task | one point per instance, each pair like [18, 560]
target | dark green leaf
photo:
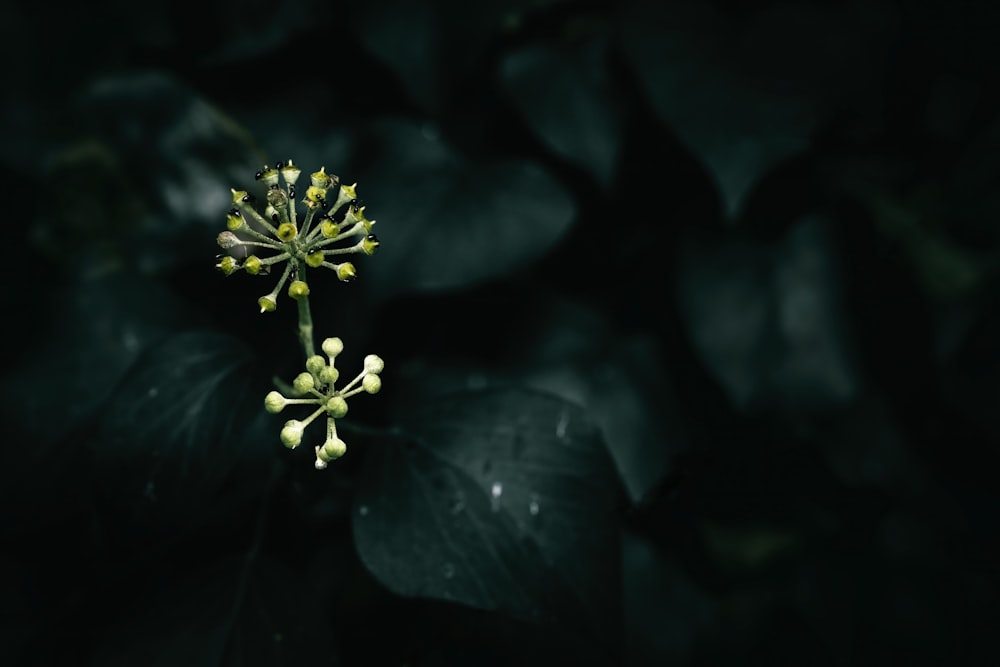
[503, 500]
[240, 612]
[174, 429]
[566, 100]
[447, 222]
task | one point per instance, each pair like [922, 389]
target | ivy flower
[334, 224]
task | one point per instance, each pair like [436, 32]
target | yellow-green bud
[315, 364]
[321, 179]
[228, 265]
[315, 195]
[298, 290]
[331, 450]
[252, 265]
[287, 231]
[268, 175]
[346, 272]
[239, 196]
[328, 375]
[332, 346]
[303, 382]
[290, 172]
[369, 244]
[234, 220]
[267, 304]
[315, 259]
[356, 214]
[274, 402]
[291, 433]
[336, 407]
[374, 364]
[329, 228]
[347, 193]
[371, 383]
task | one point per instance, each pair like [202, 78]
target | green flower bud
[336, 407]
[252, 265]
[332, 346]
[315, 364]
[303, 382]
[315, 259]
[356, 214]
[287, 231]
[315, 196]
[267, 304]
[346, 272]
[328, 375]
[371, 383]
[321, 179]
[369, 244]
[329, 228]
[298, 290]
[331, 450]
[268, 175]
[228, 265]
[274, 402]
[374, 364]
[234, 220]
[240, 196]
[290, 173]
[291, 433]
[347, 193]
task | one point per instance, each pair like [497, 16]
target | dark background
[710, 288]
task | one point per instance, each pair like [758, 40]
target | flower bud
[274, 402]
[303, 383]
[374, 364]
[252, 265]
[336, 407]
[240, 196]
[369, 244]
[371, 383]
[290, 172]
[291, 433]
[346, 193]
[332, 346]
[268, 175]
[346, 272]
[234, 220]
[299, 289]
[227, 240]
[228, 265]
[315, 364]
[287, 231]
[329, 228]
[267, 304]
[321, 179]
[315, 259]
[315, 196]
[331, 450]
[328, 375]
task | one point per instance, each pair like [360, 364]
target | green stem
[306, 323]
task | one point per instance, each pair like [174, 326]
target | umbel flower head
[317, 386]
[334, 224]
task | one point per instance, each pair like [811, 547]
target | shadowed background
[689, 315]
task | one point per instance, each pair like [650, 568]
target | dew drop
[495, 492]
[448, 570]
[534, 507]
[363, 510]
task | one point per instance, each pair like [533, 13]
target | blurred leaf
[744, 98]
[97, 330]
[176, 426]
[447, 222]
[238, 612]
[502, 500]
[769, 321]
[179, 156]
[566, 99]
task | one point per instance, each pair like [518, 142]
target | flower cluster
[317, 386]
[328, 221]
